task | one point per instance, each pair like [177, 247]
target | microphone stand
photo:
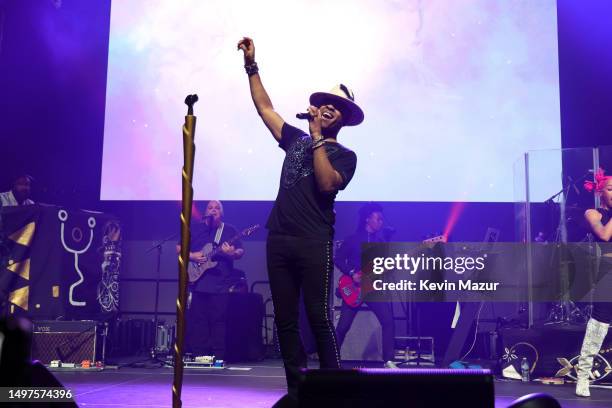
[564, 311]
[187, 201]
[566, 189]
[158, 246]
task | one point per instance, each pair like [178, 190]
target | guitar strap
[219, 233]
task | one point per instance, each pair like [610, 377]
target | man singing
[301, 224]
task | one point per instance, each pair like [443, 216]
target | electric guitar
[352, 292]
[196, 269]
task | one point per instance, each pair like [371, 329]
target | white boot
[593, 338]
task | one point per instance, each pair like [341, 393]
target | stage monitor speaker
[16, 369]
[537, 400]
[41, 377]
[67, 341]
[413, 388]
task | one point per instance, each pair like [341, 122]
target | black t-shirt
[300, 208]
[221, 277]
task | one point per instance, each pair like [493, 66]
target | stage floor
[248, 385]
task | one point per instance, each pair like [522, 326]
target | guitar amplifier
[67, 341]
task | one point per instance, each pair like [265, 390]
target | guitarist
[207, 311]
[348, 260]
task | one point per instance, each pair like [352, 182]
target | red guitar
[351, 291]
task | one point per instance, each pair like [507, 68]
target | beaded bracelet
[318, 143]
[251, 69]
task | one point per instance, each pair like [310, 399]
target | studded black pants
[300, 264]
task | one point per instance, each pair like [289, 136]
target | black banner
[59, 263]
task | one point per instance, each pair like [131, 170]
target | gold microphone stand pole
[181, 301]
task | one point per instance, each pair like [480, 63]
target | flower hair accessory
[599, 183]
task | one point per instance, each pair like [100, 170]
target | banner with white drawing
[61, 263]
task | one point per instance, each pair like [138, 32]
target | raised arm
[593, 217]
[262, 101]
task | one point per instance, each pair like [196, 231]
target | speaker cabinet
[67, 341]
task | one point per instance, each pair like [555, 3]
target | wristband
[251, 69]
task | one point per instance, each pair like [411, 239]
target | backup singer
[301, 224]
[597, 327]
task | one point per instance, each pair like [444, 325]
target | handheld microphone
[303, 115]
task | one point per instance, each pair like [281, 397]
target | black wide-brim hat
[343, 99]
